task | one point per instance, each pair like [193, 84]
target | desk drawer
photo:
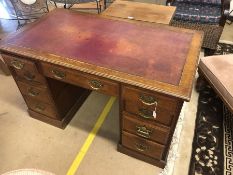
[146, 129]
[142, 146]
[148, 113]
[147, 98]
[41, 107]
[34, 92]
[24, 70]
[150, 106]
[81, 79]
[20, 64]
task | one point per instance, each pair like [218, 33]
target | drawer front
[20, 64]
[146, 130]
[142, 146]
[24, 70]
[34, 92]
[33, 78]
[41, 107]
[149, 113]
[84, 80]
[153, 100]
[148, 105]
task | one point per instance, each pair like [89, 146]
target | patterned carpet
[228, 140]
[212, 144]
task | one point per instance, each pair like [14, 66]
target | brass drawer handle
[28, 76]
[39, 108]
[17, 64]
[95, 84]
[32, 92]
[147, 100]
[58, 74]
[141, 147]
[146, 113]
[143, 131]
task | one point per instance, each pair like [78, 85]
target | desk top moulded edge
[182, 91]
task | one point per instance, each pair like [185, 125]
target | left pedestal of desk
[48, 100]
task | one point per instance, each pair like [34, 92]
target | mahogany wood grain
[158, 162]
[164, 106]
[161, 100]
[142, 146]
[154, 132]
[42, 108]
[162, 116]
[35, 92]
[140, 11]
[24, 70]
[20, 63]
[81, 79]
[64, 121]
[67, 97]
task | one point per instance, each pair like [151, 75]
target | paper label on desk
[130, 17]
[154, 114]
[28, 2]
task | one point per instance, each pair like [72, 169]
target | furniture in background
[230, 15]
[28, 11]
[69, 3]
[217, 71]
[140, 11]
[3, 66]
[208, 16]
[132, 63]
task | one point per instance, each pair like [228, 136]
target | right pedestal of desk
[147, 124]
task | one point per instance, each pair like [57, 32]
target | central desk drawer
[81, 79]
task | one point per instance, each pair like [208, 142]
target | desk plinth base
[70, 114]
[129, 152]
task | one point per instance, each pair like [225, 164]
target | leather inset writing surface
[151, 52]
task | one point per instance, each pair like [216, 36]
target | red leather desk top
[151, 52]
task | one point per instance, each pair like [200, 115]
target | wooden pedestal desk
[58, 60]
